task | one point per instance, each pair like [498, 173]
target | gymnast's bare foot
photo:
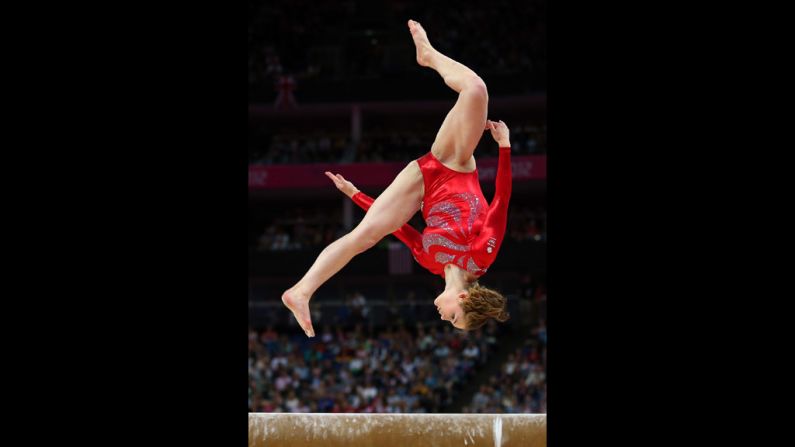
[298, 302]
[424, 49]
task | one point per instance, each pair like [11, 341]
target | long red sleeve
[407, 234]
[493, 232]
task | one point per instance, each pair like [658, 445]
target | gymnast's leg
[393, 208]
[463, 127]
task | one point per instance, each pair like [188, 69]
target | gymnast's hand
[343, 185]
[499, 131]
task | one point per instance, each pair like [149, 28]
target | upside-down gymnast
[463, 233]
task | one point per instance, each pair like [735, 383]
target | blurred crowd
[376, 146]
[395, 370]
[352, 39]
[520, 384]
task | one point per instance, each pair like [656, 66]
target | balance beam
[396, 430]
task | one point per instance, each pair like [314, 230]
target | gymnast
[463, 232]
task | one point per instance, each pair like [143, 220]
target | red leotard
[462, 228]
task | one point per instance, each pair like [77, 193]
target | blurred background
[335, 86]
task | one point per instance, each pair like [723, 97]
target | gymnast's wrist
[505, 146]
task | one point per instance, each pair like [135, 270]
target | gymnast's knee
[365, 238]
[476, 87]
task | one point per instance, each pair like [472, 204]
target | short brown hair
[481, 304]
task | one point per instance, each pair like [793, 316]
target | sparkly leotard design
[461, 228]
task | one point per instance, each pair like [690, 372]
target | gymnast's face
[448, 303]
